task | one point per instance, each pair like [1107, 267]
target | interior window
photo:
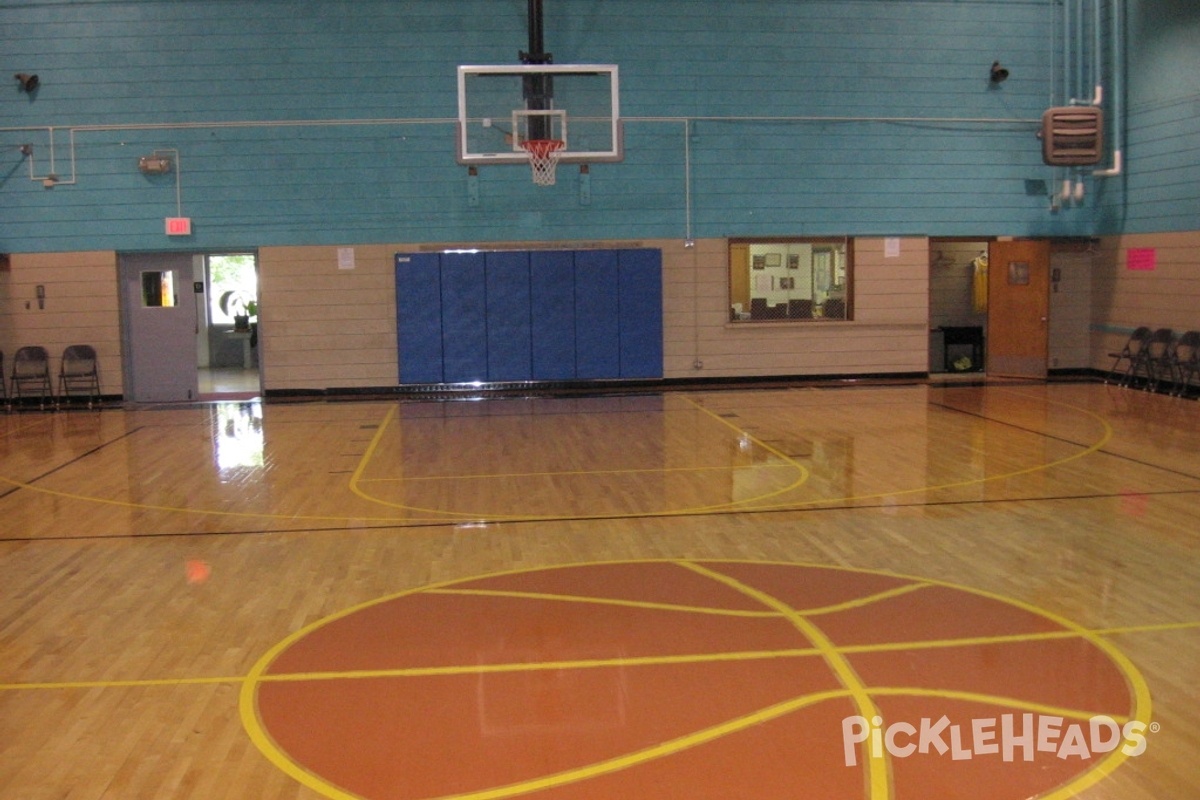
[789, 280]
[158, 289]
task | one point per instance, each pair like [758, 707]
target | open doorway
[227, 350]
[958, 305]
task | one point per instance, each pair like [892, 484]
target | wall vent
[1072, 136]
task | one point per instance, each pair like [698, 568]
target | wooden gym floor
[910, 592]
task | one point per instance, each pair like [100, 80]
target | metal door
[159, 327]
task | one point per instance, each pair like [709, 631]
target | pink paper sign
[1144, 259]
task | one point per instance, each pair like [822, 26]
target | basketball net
[543, 158]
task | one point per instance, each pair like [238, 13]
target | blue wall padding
[419, 317]
[464, 320]
[597, 315]
[641, 322]
[552, 280]
[509, 343]
[540, 315]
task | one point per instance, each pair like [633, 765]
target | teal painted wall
[881, 121]
[1160, 191]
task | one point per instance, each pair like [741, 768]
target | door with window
[1018, 308]
[159, 327]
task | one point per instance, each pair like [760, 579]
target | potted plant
[241, 306]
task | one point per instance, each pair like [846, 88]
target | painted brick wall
[321, 123]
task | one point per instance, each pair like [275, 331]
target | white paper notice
[345, 258]
[891, 247]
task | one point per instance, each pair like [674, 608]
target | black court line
[1052, 437]
[75, 460]
[400, 525]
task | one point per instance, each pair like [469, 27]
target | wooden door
[1018, 308]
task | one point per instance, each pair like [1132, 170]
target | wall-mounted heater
[1072, 135]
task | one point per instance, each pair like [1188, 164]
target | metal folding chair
[1155, 361]
[1129, 354]
[79, 374]
[1185, 362]
[31, 374]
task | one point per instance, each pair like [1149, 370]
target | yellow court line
[1001, 701]
[652, 753]
[878, 780]
[357, 478]
[152, 683]
[1090, 449]
[604, 601]
[864, 601]
[443, 516]
[247, 699]
[808, 612]
[575, 472]
[625, 661]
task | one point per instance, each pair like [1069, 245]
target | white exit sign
[179, 226]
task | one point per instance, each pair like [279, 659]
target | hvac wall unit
[1072, 136]
[536, 315]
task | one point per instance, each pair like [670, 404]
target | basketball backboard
[501, 106]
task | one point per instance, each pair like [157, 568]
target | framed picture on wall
[793, 261]
[759, 262]
[787, 284]
[774, 259]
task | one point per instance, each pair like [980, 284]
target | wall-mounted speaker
[28, 82]
[1072, 136]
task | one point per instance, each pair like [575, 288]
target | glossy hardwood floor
[185, 592]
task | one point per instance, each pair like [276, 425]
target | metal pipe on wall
[1117, 94]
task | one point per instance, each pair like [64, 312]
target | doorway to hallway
[190, 326]
[958, 306]
[227, 352]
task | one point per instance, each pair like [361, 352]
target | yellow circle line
[1141, 710]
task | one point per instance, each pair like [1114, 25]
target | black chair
[1155, 361]
[800, 309]
[758, 308]
[1185, 362]
[31, 374]
[79, 373]
[1129, 354]
[834, 308]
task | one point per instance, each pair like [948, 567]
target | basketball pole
[538, 89]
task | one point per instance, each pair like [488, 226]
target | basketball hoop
[543, 158]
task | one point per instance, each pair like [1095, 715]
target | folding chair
[1155, 361]
[79, 373]
[31, 373]
[1130, 354]
[1185, 362]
